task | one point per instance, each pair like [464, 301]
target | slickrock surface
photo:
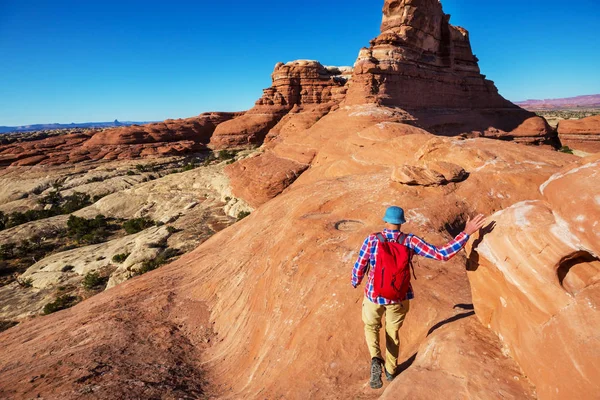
[535, 282]
[283, 318]
[265, 309]
[303, 84]
[193, 203]
[168, 138]
[582, 134]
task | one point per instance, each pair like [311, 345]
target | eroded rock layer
[283, 317]
[535, 279]
[422, 63]
[171, 137]
[304, 85]
[583, 134]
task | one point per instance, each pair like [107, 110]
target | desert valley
[210, 257]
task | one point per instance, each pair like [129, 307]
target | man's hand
[475, 224]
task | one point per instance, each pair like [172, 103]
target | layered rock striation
[422, 63]
[582, 134]
[535, 279]
[171, 137]
[298, 86]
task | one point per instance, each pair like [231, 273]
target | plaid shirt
[368, 255]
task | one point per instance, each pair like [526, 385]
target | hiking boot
[389, 377]
[376, 369]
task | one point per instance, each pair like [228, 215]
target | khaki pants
[372, 315]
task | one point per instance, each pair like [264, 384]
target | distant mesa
[587, 101]
[41, 127]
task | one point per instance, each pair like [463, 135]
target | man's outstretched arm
[448, 251]
[362, 263]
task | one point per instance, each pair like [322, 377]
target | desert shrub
[7, 251]
[26, 283]
[75, 202]
[119, 258]
[566, 149]
[227, 154]
[172, 229]
[93, 280]
[242, 214]
[60, 303]
[141, 168]
[130, 173]
[161, 259]
[136, 225]
[89, 231]
[98, 197]
[19, 218]
[227, 198]
[3, 220]
[67, 268]
[189, 167]
[53, 199]
[96, 179]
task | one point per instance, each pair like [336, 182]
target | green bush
[96, 179]
[242, 214]
[136, 225]
[161, 259]
[3, 220]
[92, 280]
[61, 302]
[53, 199]
[227, 154]
[566, 149]
[89, 231]
[119, 258]
[75, 202]
[172, 229]
[130, 173]
[189, 167]
[7, 251]
[26, 283]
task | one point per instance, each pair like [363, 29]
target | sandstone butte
[264, 309]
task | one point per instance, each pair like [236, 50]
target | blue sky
[74, 61]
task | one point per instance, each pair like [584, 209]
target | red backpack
[392, 269]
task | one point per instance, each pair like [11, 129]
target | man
[374, 307]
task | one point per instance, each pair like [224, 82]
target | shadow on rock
[473, 261]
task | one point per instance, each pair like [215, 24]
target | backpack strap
[410, 255]
[381, 238]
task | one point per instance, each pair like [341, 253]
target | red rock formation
[423, 64]
[171, 137]
[259, 179]
[582, 134]
[302, 84]
[534, 281]
[284, 319]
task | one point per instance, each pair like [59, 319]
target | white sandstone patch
[413, 216]
[559, 175]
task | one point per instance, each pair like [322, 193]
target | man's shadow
[472, 264]
[473, 260]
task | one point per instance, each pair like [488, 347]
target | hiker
[390, 294]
